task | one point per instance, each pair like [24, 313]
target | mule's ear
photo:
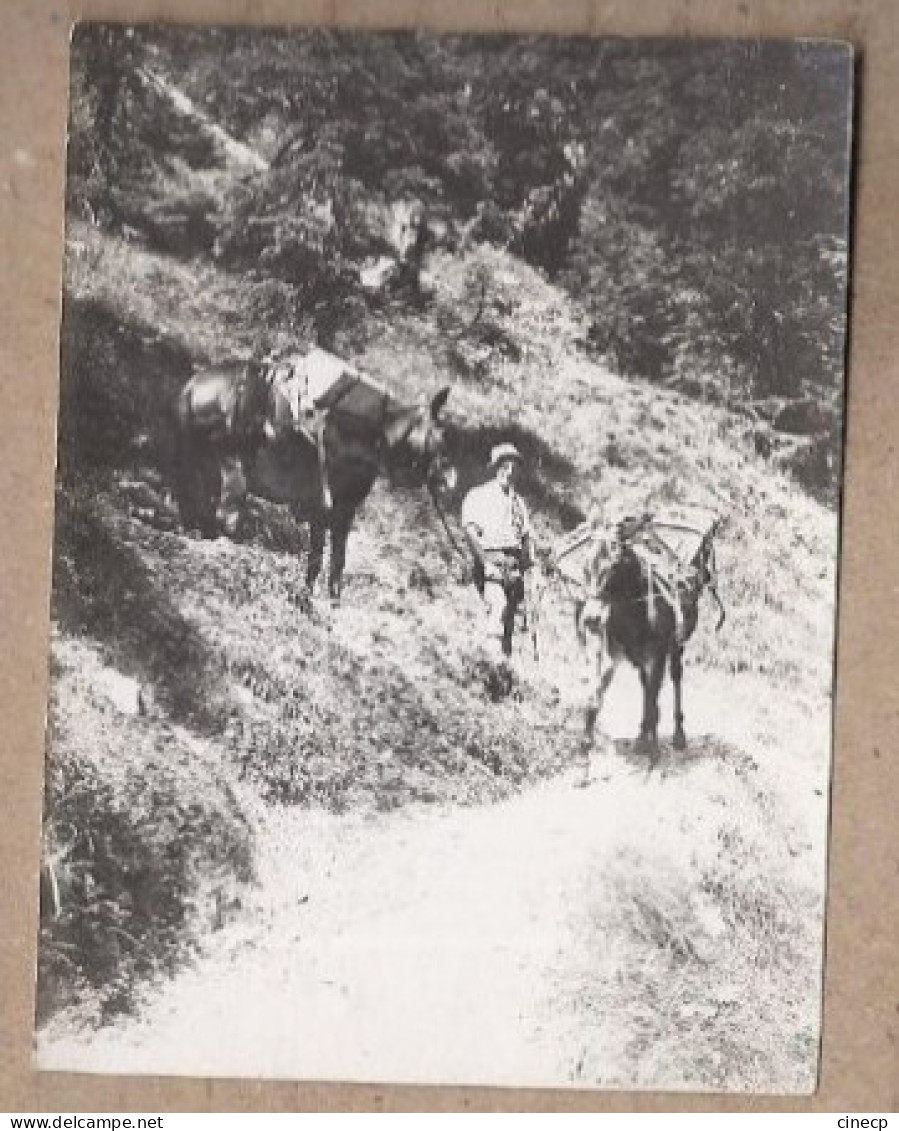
[439, 401]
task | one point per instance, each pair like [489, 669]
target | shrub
[143, 854]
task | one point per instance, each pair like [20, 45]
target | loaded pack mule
[310, 432]
[638, 600]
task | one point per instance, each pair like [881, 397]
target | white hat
[503, 452]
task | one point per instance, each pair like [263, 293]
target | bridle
[703, 563]
[422, 463]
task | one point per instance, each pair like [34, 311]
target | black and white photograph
[445, 562]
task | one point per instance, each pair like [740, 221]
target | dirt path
[407, 947]
[422, 946]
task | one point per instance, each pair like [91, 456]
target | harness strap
[669, 592]
[443, 519]
[713, 586]
[318, 429]
[722, 614]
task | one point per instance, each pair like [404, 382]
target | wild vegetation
[634, 269]
[696, 210]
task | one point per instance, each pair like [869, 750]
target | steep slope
[589, 436]
[593, 438]
[381, 704]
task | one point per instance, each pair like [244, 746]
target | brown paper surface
[860, 1061]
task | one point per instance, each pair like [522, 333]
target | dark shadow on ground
[103, 589]
[666, 761]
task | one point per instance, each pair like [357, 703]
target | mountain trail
[427, 945]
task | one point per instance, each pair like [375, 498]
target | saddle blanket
[322, 381]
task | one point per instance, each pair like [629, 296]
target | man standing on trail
[497, 527]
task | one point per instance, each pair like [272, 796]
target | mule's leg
[652, 673]
[198, 487]
[233, 496]
[317, 533]
[594, 712]
[643, 736]
[677, 672]
[603, 667]
[341, 522]
[604, 677]
[211, 490]
[185, 485]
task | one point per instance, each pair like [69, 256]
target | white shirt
[500, 518]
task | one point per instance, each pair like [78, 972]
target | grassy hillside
[381, 702]
[581, 293]
[509, 342]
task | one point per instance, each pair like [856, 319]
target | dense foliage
[693, 196]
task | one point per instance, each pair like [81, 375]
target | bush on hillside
[815, 465]
[143, 855]
[118, 381]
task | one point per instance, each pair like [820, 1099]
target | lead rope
[713, 588]
[446, 526]
[530, 606]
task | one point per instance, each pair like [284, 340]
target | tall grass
[705, 950]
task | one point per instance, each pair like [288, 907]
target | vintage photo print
[445, 558]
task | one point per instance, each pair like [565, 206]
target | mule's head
[705, 567]
[591, 616]
[416, 446]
